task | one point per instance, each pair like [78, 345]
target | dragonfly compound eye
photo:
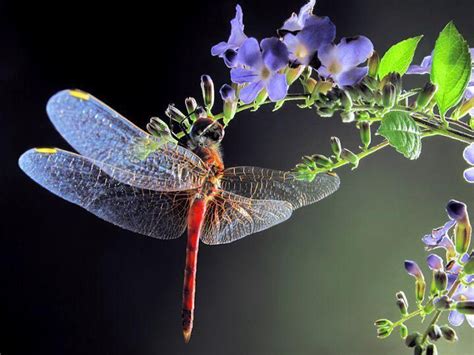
[206, 131]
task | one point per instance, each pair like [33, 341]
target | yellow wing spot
[46, 150]
[79, 94]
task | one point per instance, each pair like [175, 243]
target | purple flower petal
[275, 53]
[242, 75]
[328, 55]
[470, 319]
[455, 318]
[440, 232]
[468, 154]
[249, 54]
[219, 48]
[250, 92]
[413, 269]
[469, 175]
[434, 262]
[296, 22]
[277, 87]
[352, 76]
[423, 68]
[354, 51]
[227, 93]
[317, 33]
[237, 35]
[230, 58]
[456, 210]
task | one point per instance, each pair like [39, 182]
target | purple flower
[340, 62]
[228, 50]
[463, 293]
[456, 210]
[316, 33]
[437, 234]
[413, 270]
[296, 22]
[468, 155]
[261, 69]
[434, 262]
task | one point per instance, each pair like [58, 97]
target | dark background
[73, 284]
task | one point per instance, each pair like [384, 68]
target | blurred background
[73, 284]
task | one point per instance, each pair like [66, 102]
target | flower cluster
[266, 68]
[452, 284]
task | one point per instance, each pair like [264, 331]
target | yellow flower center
[265, 73]
[301, 51]
[335, 67]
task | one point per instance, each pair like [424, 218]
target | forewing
[98, 132]
[78, 180]
[230, 217]
[267, 184]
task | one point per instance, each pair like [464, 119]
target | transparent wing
[267, 184]
[230, 217]
[98, 132]
[78, 180]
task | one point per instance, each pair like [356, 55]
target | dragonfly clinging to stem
[159, 188]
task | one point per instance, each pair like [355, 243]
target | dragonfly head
[206, 132]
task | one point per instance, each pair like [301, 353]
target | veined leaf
[399, 57]
[402, 133]
[451, 68]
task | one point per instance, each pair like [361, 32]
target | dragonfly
[161, 188]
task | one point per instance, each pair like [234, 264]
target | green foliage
[399, 57]
[451, 67]
[402, 133]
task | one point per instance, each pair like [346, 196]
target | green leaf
[451, 68]
[399, 57]
[402, 133]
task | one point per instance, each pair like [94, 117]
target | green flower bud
[322, 161]
[464, 109]
[402, 306]
[384, 332]
[371, 83]
[426, 95]
[374, 62]
[191, 104]
[469, 265]
[261, 97]
[418, 350]
[462, 234]
[448, 333]
[347, 117]
[336, 147]
[350, 157]
[294, 73]
[389, 95]
[431, 350]
[413, 339]
[346, 101]
[383, 323]
[158, 128]
[465, 307]
[443, 303]
[366, 93]
[175, 114]
[420, 286]
[400, 295]
[325, 112]
[440, 280]
[310, 84]
[365, 134]
[403, 331]
[207, 87]
[434, 332]
[396, 80]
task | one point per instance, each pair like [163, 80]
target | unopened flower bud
[403, 331]
[420, 287]
[229, 97]
[191, 106]
[389, 95]
[310, 84]
[418, 350]
[346, 100]
[431, 350]
[175, 114]
[374, 62]
[383, 323]
[426, 95]
[434, 332]
[413, 269]
[322, 160]
[201, 112]
[347, 117]
[469, 265]
[158, 127]
[463, 230]
[365, 134]
[465, 307]
[448, 333]
[396, 80]
[294, 73]
[366, 93]
[350, 157]
[440, 280]
[336, 147]
[261, 97]
[402, 306]
[413, 339]
[207, 87]
[325, 111]
[400, 295]
[384, 332]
